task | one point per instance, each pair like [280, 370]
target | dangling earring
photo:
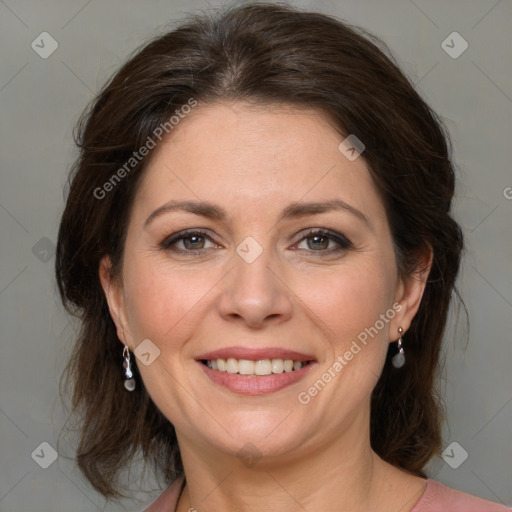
[129, 382]
[399, 359]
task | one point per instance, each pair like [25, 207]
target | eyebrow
[292, 211]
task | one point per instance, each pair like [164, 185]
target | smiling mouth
[258, 368]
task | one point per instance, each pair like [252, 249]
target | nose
[255, 294]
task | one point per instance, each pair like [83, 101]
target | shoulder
[439, 498]
[167, 500]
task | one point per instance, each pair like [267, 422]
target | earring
[399, 359]
[129, 382]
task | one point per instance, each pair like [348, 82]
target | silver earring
[399, 359]
[129, 382]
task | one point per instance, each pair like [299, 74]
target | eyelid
[168, 241]
[343, 242]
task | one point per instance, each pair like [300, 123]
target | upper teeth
[261, 367]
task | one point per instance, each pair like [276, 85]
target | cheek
[351, 306]
[348, 300]
[161, 301]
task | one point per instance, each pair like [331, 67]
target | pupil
[195, 240]
[320, 239]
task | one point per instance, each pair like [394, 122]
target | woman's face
[254, 278]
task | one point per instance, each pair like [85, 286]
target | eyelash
[342, 241]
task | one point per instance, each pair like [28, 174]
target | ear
[114, 293]
[410, 291]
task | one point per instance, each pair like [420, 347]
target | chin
[259, 434]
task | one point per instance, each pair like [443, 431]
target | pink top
[436, 498]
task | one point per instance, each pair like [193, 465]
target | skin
[253, 162]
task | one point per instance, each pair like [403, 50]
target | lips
[255, 354]
[252, 384]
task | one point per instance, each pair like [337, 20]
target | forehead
[247, 156]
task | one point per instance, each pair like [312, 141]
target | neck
[345, 476]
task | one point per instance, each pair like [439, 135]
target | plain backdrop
[40, 101]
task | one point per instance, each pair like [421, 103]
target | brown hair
[269, 54]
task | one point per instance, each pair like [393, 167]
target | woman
[258, 229]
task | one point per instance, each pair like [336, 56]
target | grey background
[40, 100]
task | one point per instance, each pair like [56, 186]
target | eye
[187, 241]
[316, 240]
[325, 241]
